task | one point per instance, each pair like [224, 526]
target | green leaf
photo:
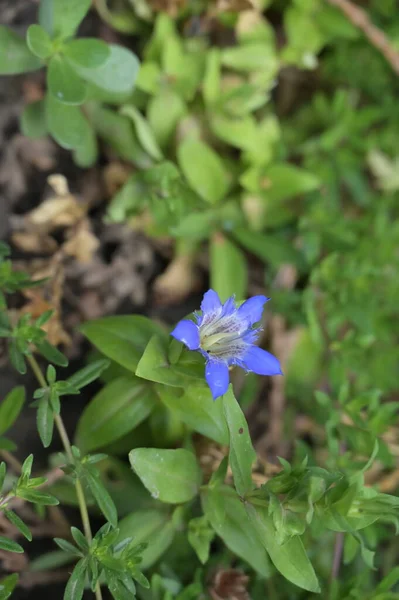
[7, 585]
[143, 131]
[290, 558]
[50, 560]
[87, 52]
[229, 272]
[122, 338]
[212, 77]
[45, 421]
[241, 133]
[117, 409]
[165, 102]
[80, 539]
[67, 547]
[11, 407]
[65, 123]
[52, 354]
[86, 154]
[37, 497]
[150, 526]
[27, 467]
[171, 476]
[76, 583]
[271, 248]
[39, 41]
[200, 536]
[116, 75]
[89, 373]
[286, 181]
[18, 523]
[61, 18]
[203, 170]
[154, 366]
[226, 513]
[195, 407]
[118, 133]
[16, 357]
[10, 545]
[241, 454]
[63, 82]
[102, 497]
[15, 56]
[3, 471]
[251, 57]
[153, 527]
[33, 120]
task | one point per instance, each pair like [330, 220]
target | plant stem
[59, 423]
[338, 550]
[11, 460]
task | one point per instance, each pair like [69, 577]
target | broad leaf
[122, 338]
[226, 513]
[165, 102]
[195, 407]
[172, 476]
[62, 17]
[290, 558]
[39, 41]
[154, 365]
[65, 123]
[15, 56]
[87, 52]
[117, 409]
[203, 170]
[229, 272]
[148, 526]
[63, 82]
[116, 75]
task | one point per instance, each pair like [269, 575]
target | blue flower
[225, 335]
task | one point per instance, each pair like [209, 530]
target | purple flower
[225, 335]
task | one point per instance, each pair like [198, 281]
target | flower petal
[251, 310]
[217, 377]
[187, 332]
[210, 302]
[261, 362]
[229, 307]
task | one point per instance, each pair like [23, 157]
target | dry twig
[360, 19]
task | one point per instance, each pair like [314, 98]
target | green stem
[59, 423]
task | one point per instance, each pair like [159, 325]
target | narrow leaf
[10, 545]
[18, 523]
[102, 497]
[10, 408]
[241, 455]
[76, 583]
[89, 373]
[45, 421]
